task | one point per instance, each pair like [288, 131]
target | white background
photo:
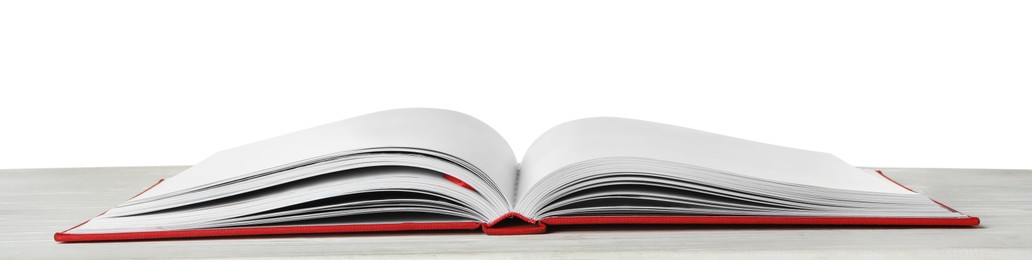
[878, 83]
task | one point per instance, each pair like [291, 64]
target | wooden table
[35, 203]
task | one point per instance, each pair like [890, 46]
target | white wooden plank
[37, 202]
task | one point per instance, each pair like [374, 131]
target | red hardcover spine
[522, 226]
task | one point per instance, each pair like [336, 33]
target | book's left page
[405, 165]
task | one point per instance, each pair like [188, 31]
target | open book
[432, 169]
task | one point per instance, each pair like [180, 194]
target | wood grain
[35, 203]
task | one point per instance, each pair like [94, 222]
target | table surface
[34, 203]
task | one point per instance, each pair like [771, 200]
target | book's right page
[602, 137]
[615, 167]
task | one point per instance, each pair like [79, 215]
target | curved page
[603, 137]
[439, 130]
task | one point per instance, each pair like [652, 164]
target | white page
[379, 179]
[601, 137]
[440, 130]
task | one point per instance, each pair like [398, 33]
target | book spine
[513, 223]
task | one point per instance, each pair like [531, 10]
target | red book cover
[516, 224]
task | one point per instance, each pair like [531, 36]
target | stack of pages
[432, 169]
